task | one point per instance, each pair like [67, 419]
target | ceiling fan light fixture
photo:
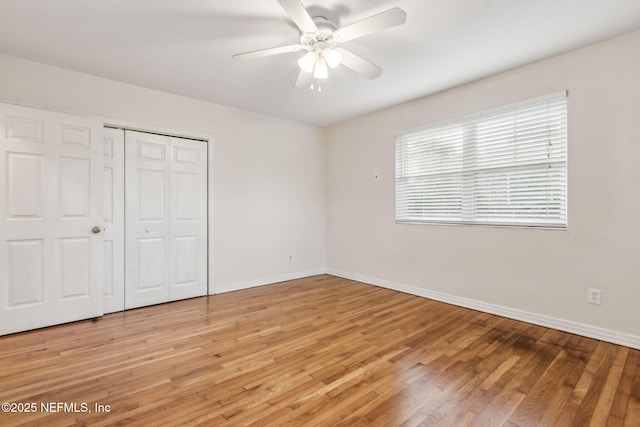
[320, 41]
[333, 58]
[308, 62]
[321, 71]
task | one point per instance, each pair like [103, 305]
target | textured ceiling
[185, 47]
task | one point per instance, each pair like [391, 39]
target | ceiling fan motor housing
[323, 38]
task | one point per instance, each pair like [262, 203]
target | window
[504, 167]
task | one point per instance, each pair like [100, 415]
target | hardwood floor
[317, 351]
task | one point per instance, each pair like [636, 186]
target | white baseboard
[589, 331]
[238, 286]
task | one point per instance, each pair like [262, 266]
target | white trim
[211, 287]
[231, 287]
[582, 329]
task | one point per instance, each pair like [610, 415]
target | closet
[95, 220]
[163, 226]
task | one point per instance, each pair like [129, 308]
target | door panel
[109, 287]
[50, 261]
[147, 278]
[152, 188]
[187, 191]
[149, 252]
[75, 274]
[186, 265]
[189, 218]
[75, 192]
[25, 283]
[19, 128]
[113, 230]
[24, 171]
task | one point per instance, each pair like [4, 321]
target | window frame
[557, 170]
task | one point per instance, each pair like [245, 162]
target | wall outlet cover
[594, 296]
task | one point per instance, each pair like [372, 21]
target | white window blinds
[504, 167]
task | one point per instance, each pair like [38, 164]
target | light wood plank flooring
[317, 351]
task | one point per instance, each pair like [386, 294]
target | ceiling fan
[320, 38]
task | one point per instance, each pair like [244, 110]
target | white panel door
[166, 219]
[148, 254]
[51, 186]
[113, 229]
[188, 218]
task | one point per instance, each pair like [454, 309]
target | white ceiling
[185, 46]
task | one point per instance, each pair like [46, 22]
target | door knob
[96, 229]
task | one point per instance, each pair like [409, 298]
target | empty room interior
[317, 212]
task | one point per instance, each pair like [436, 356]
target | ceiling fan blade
[304, 80]
[359, 65]
[296, 10]
[268, 52]
[379, 22]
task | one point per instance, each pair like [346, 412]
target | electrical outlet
[594, 296]
[290, 258]
[376, 176]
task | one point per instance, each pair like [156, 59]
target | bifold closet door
[113, 228]
[165, 218]
[188, 218]
[51, 171]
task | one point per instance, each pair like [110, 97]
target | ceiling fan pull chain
[316, 85]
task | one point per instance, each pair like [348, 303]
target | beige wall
[269, 174]
[536, 271]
